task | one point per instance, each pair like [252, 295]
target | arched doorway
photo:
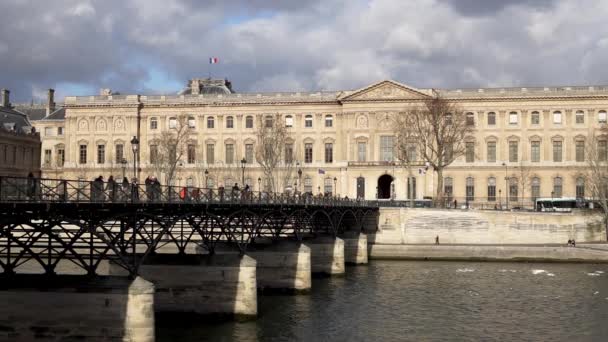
[384, 186]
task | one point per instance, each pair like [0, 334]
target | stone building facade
[343, 141]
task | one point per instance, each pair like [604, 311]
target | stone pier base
[327, 255]
[76, 308]
[282, 267]
[222, 285]
[355, 248]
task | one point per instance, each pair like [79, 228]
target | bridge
[159, 233]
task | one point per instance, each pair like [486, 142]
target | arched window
[580, 187]
[557, 187]
[308, 121]
[557, 118]
[249, 121]
[470, 189]
[210, 122]
[513, 119]
[172, 123]
[191, 122]
[491, 119]
[580, 117]
[329, 121]
[513, 189]
[470, 120]
[153, 123]
[535, 188]
[289, 121]
[491, 189]
[229, 122]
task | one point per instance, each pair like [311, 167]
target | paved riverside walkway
[583, 252]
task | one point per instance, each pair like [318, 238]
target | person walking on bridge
[111, 188]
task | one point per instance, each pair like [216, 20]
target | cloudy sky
[155, 46]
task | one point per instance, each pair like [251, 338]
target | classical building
[19, 144]
[343, 141]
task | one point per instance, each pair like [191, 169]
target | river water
[429, 301]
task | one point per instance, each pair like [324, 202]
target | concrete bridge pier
[284, 266]
[222, 285]
[327, 255]
[76, 308]
[355, 248]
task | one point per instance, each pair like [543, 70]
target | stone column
[282, 267]
[67, 307]
[327, 255]
[355, 248]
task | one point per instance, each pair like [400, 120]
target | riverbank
[586, 253]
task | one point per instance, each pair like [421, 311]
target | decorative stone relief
[119, 125]
[83, 125]
[362, 121]
[101, 125]
[388, 91]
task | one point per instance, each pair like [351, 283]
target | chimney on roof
[50, 102]
[6, 102]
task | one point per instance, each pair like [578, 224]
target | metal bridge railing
[35, 190]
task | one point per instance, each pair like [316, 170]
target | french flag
[321, 171]
[214, 60]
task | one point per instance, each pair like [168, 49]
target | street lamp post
[506, 185]
[124, 167]
[243, 162]
[335, 188]
[135, 148]
[299, 178]
[500, 199]
[206, 178]
[259, 184]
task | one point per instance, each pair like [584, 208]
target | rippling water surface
[430, 301]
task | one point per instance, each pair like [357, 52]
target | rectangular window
[119, 153]
[48, 131]
[172, 123]
[491, 193]
[191, 157]
[557, 151]
[557, 118]
[308, 121]
[153, 123]
[249, 153]
[210, 153]
[308, 153]
[153, 154]
[513, 118]
[470, 152]
[491, 119]
[602, 150]
[580, 117]
[308, 185]
[59, 130]
[48, 156]
[535, 118]
[535, 151]
[327, 186]
[411, 153]
[60, 157]
[288, 153]
[329, 153]
[387, 148]
[101, 154]
[513, 147]
[470, 190]
[491, 151]
[249, 122]
[601, 117]
[361, 151]
[580, 151]
[82, 154]
[229, 153]
[535, 191]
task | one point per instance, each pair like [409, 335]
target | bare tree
[441, 128]
[272, 134]
[407, 147]
[171, 146]
[524, 180]
[596, 178]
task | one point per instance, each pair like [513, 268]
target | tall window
[210, 153]
[513, 119]
[153, 154]
[172, 123]
[329, 121]
[602, 150]
[513, 149]
[249, 153]
[229, 122]
[308, 153]
[411, 187]
[48, 156]
[60, 156]
[308, 121]
[153, 123]
[470, 119]
[601, 116]
[101, 154]
[288, 153]
[448, 188]
[448, 118]
[229, 153]
[557, 151]
[361, 151]
[329, 153]
[59, 130]
[470, 190]
[580, 151]
[191, 154]
[470, 152]
[268, 121]
[535, 151]
[191, 122]
[249, 121]
[557, 187]
[412, 153]
[491, 151]
[491, 119]
[119, 153]
[308, 184]
[386, 148]
[535, 188]
[82, 154]
[535, 118]
[327, 186]
[289, 121]
[491, 189]
[580, 187]
[513, 187]
[557, 118]
[210, 122]
[580, 117]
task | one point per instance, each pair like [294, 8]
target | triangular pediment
[385, 90]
